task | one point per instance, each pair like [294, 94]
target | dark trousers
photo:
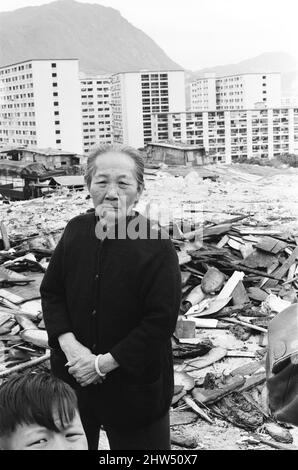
[155, 436]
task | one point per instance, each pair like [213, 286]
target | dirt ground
[267, 196]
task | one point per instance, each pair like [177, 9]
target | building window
[58, 141]
[54, 84]
[56, 113]
[57, 132]
[53, 65]
[57, 122]
[54, 74]
[56, 103]
[55, 93]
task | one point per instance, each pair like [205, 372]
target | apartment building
[242, 91]
[227, 135]
[40, 105]
[136, 95]
[96, 110]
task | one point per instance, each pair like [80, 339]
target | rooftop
[149, 71]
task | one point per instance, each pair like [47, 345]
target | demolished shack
[21, 180]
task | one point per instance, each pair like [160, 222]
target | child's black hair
[32, 399]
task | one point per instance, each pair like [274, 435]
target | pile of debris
[233, 285]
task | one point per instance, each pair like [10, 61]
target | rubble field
[235, 229]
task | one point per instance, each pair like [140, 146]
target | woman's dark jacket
[120, 296]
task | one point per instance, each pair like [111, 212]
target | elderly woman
[110, 305]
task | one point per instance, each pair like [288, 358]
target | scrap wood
[184, 441]
[20, 367]
[271, 443]
[248, 325]
[239, 295]
[230, 285]
[214, 355]
[184, 351]
[278, 433]
[222, 241]
[190, 402]
[5, 239]
[255, 404]
[178, 418]
[207, 396]
[11, 277]
[10, 297]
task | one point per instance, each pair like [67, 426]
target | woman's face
[114, 188]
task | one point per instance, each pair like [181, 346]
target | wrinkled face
[114, 188]
[35, 437]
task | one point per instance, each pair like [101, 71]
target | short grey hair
[126, 150]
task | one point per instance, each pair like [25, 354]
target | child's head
[39, 411]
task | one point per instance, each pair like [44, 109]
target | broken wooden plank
[230, 285]
[190, 402]
[185, 329]
[214, 355]
[259, 259]
[183, 257]
[206, 232]
[34, 362]
[256, 293]
[271, 245]
[5, 239]
[236, 353]
[253, 381]
[215, 305]
[276, 445]
[239, 294]
[247, 369]
[178, 418]
[255, 404]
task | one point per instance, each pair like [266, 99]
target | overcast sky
[203, 33]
